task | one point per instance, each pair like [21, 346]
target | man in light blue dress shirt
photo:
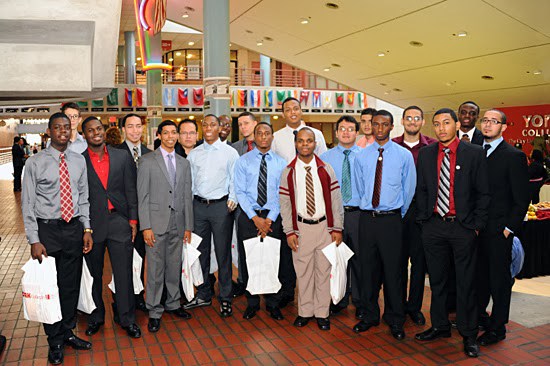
[257, 180]
[386, 181]
[342, 160]
[212, 167]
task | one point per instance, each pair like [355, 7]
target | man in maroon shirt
[413, 140]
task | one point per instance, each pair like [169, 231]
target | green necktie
[346, 177]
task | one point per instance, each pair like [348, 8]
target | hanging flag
[293, 93]
[327, 99]
[198, 97]
[340, 100]
[304, 97]
[82, 104]
[281, 96]
[128, 97]
[362, 100]
[268, 98]
[316, 103]
[254, 98]
[351, 99]
[112, 98]
[139, 97]
[97, 102]
[242, 94]
[169, 96]
[183, 96]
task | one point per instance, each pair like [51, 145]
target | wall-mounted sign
[216, 87]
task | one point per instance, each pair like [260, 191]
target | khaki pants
[313, 270]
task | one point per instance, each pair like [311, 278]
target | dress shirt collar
[493, 144]
[166, 153]
[56, 153]
[469, 133]
[302, 125]
[422, 140]
[453, 146]
[93, 155]
[215, 146]
[269, 153]
[341, 149]
[131, 146]
[388, 145]
[302, 165]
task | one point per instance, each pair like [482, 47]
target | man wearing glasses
[413, 140]
[187, 131]
[468, 113]
[77, 142]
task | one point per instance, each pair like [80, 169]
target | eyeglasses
[191, 133]
[348, 129]
[415, 118]
[73, 116]
[490, 121]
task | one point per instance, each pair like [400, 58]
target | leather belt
[311, 222]
[351, 208]
[207, 201]
[57, 221]
[375, 213]
[447, 218]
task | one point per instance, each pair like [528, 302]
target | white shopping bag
[262, 261]
[137, 262]
[196, 269]
[338, 256]
[213, 261]
[86, 303]
[189, 256]
[234, 247]
[40, 291]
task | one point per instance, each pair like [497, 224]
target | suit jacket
[241, 146]
[471, 184]
[155, 194]
[124, 146]
[477, 139]
[17, 155]
[509, 187]
[121, 191]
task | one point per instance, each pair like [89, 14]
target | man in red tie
[247, 122]
[57, 223]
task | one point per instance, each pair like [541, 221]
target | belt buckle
[374, 213]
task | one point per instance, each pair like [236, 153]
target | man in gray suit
[247, 123]
[166, 218]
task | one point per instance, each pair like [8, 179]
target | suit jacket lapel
[179, 171]
[111, 163]
[162, 164]
[433, 168]
[91, 170]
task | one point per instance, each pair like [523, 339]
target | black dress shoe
[471, 348]
[397, 332]
[335, 309]
[238, 289]
[417, 318]
[180, 313]
[78, 343]
[3, 341]
[275, 313]
[154, 325]
[363, 326]
[285, 301]
[133, 330]
[323, 323]
[489, 337]
[360, 314]
[225, 309]
[301, 321]
[55, 355]
[432, 334]
[250, 312]
[140, 303]
[93, 328]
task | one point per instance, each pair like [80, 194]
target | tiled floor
[208, 339]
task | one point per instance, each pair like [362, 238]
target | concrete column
[216, 54]
[130, 48]
[120, 56]
[154, 84]
[265, 66]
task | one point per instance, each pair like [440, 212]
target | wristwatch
[88, 231]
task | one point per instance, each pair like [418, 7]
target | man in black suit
[468, 113]
[132, 127]
[509, 187]
[113, 215]
[452, 198]
[18, 158]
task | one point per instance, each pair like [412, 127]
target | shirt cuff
[511, 231]
[134, 222]
[273, 215]
[33, 237]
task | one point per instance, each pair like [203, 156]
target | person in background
[537, 175]
[468, 113]
[18, 160]
[225, 129]
[113, 137]
[77, 142]
[366, 128]
[188, 133]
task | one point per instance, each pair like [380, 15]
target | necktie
[377, 179]
[487, 147]
[171, 171]
[310, 192]
[443, 193]
[465, 138]
[262, 183]
[136, 155]
[67, 210]
[346, 177]
[249, 147]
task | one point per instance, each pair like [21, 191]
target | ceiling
[508, 40]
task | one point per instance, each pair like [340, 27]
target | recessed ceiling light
[416, 44]
[185, 15]
[181, 68]
[383, 84]
[178, 53]
[335, 65]
[259, 43]
[332, 6]
[170, 59]
[178, 119]
[397, 90]
[248, 31]
[450, 83]
[230, 45]
[387, 92]
[191, 117]
[275, 117]
[304, 21]
[537, 72]
[487, 77]
[460, 34]
[190, 43]
[189, 56]
[381, 54]
[138, 59]
[268, 39]
[326, 69]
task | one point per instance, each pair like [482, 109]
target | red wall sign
[525, 123]
[166, 45]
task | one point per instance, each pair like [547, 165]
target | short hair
[16, 139]
[369, 111]
[187, 120]
[502, 115]
[71, 105]
[247, 114]
[88, 120]
[537, 155]
[349, 119]
[125, 118]
[288, 100]
[113, 136]
[448, 111]
[469, 102]
[56, 116]
[304, 129]
[212, 115]
[383, 113]
[263, 124]
[166, 122]
[413, 107]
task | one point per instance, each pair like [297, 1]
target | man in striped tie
[452, 198]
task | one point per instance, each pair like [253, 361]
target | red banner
[525, 123]
[166, 45]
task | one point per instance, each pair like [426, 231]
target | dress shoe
[93, 328]
[238, 289]
[285, 300]
[490, 337]
[433, 334]
[397, 332]
[483, 322]
[323, 323]
[197, 303]
[133, 330]
[140, 303]
[275, 313]
[2, 343]
[225, 309]
[363, 326]
[179, 312]
[335, 309]
[78, 343]
[250, 312]
[301, 321]
[154, 325]
[360, 314]
[417, 317]
[55, 355]
[471, 348]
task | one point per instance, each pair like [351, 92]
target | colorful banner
[304, 96]
[339, 100]
[351, 99]
[82, 104]
[281, 96]
[268, 98]
[183, 96]
[254, 98]
[169, 97]
[362, 100]
[327, 99]
[316, 103]
[97, 103]
[198, 96]
[241, 98]
[112, 98]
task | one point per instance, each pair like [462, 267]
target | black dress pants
[441, 239]
[351, 238]
[17, 173]
[63, 241]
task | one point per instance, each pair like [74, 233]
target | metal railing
[5, 155]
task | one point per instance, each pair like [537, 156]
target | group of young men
[449, 206]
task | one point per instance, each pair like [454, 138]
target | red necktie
[67, 211]
[377, 180]
[250, 147]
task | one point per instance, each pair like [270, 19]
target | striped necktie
[378, 179]
[310, 192]
[262, 183]
[443, 193]
[67, 209]
[346, 177]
